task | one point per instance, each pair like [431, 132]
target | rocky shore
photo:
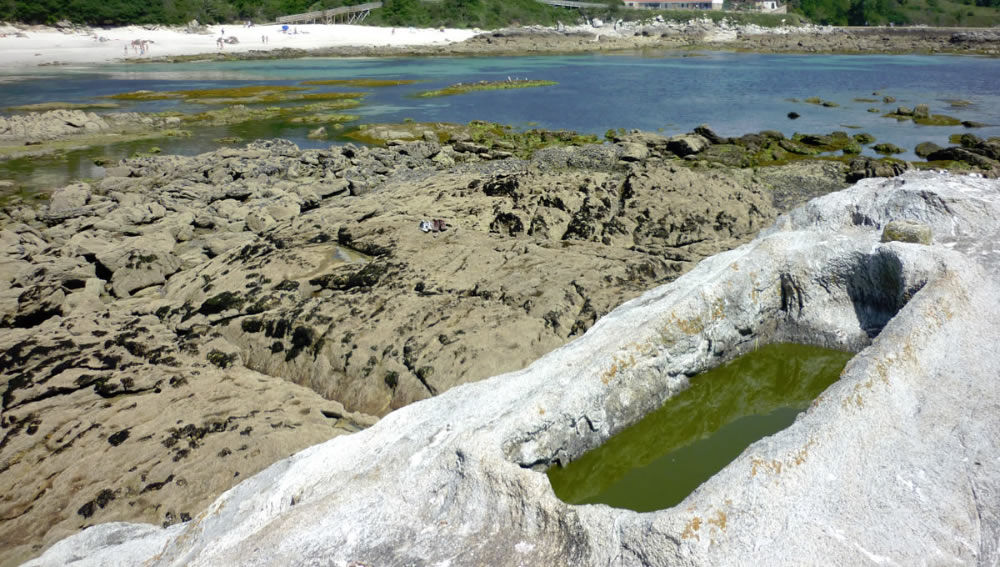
[185, 322]
[896, 461]
[160, 323]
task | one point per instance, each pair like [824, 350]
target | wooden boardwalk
[344, 14]
[572, 4]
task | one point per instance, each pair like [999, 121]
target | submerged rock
[870, 461]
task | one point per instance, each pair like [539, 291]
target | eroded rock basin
[657, 462]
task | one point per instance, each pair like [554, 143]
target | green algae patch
[143, 95]
[216, 95]
[937, 120]
[821, 102]
[379, 134]
[887, 148]
[462, 88]
[46, 106]
[248, 91]
[660, 460]
[330, 96]
[363, 83]
[324, 118]
[496, 139]
[239, 113]
[348, 99]
[930, 120]
[85, 141]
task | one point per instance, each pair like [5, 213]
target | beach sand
[50, 46]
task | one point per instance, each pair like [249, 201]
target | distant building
[674, 4]
[770, 6]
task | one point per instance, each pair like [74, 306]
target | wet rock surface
[868, 471]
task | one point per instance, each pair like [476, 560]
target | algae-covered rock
[937, 120]
[907, 231]
[864, 138]
[888, 148]
[925, 149]
[863, 167]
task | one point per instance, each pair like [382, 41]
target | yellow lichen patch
[362, 82]
[693, 525]
[618, 364]
[691, 326]
[541, 411]
[801, 454]
[719, 520]
[772, 466]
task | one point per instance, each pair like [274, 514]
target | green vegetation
[494, 138]
[367, 83]
[821, 102]
[45, 106]
[257, 94]
[977, 13]
[246, 92]
[324, 118]
[451, 13]
[462, 88]
[490, 14]
[929, 120]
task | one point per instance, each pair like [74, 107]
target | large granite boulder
[894, 463]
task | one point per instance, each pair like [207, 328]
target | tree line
[421, 13]
[486, 14]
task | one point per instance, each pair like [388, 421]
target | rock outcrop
[896, 462]
[182, 301]
[35, 128]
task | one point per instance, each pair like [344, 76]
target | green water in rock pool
[658, 461]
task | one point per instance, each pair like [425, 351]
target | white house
[674, 4]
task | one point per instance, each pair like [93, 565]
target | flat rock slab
[894, 463]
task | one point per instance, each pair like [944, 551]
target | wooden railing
[347, 14]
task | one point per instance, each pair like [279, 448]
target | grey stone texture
[896, 463]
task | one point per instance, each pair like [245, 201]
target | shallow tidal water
[660, 460]
[665, 91]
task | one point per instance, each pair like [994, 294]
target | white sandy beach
[47, 46]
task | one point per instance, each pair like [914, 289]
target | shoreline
[24, 47]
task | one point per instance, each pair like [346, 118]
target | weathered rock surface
[896, 462]
[280, 267]
[34, 127]
[109, 416]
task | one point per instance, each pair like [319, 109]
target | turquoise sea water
[669, 92]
